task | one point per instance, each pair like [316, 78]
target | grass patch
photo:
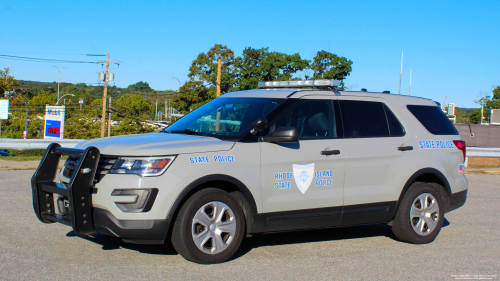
[482, 166]
[26, 155]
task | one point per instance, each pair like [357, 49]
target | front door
[308, 174]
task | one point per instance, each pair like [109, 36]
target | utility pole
[105, 93]
[482, 108]
[109, 117]
[25, 133]
[59, 81]
[218, 76]
[104, 96]
[409, 87]
[217, 123]
[400, 73]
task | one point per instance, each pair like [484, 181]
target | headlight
[143, 166]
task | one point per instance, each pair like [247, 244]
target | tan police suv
[291, 155]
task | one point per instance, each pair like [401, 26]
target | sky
[451, 47]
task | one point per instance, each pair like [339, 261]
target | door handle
[330, 152]
[405, 148]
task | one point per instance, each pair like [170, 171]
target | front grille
[106, 162]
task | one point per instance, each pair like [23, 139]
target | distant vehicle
[4, 153]
[163, 124]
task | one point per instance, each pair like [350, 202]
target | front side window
[225, 118]
[314, 119]
[364, 119]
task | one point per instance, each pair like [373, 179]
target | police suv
[291, 155]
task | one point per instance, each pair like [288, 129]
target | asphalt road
[468, 245]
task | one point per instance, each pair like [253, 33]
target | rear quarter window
[433, 119]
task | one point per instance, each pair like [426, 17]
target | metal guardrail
[30, 144]
[483, 152]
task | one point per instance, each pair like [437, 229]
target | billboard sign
[4, 109]
[54, 122]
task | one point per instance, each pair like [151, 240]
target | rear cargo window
[433, 119]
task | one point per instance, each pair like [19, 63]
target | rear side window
[364, 119]
[433, 119]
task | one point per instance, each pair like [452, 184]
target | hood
[155, 144]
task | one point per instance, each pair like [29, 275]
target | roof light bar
[300, 83]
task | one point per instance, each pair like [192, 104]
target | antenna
[409, 87]
[400, 72]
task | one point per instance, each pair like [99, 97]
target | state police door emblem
[303, 175]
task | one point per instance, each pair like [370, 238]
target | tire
[420, 215]
[209, 227]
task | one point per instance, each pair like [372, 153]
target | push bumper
[81, 216]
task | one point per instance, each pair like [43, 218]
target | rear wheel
[420, 215]
[209, 227]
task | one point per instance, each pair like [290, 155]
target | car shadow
[317, 235]
[114, 243]
[258, 240]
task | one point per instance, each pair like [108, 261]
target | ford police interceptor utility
[280, 158]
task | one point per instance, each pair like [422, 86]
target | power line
[41, 59]
[43, 53]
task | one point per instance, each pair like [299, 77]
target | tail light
[460, 144]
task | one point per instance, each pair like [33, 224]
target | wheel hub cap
[424, 214]
[213, 227]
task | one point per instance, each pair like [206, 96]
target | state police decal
[303, 175]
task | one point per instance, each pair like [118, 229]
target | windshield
[225, 118]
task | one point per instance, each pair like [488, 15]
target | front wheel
[420, 215]
[209, 227]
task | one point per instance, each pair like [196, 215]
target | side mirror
[259, 125]
[282, 135]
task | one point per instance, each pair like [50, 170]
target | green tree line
[254, 65]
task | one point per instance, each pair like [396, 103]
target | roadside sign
[54, 122]
[4, 109]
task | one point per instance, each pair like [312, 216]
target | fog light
[143, 201]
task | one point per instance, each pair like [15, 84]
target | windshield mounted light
[142, 166]
[300, 83]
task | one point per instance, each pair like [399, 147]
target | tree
[257, 65]
[496, 93]
[495, 101]
[44, 98]
[139, 87]
[330, 66]
[192, 95]
[134, 105]
[475, 116]
[204, 68]
[7, 82]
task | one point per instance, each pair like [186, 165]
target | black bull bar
[78, 191]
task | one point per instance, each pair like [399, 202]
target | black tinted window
[394, 125]
[433, 119]
[314, 119]
[364, 119]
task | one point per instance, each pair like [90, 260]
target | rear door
[381, 155]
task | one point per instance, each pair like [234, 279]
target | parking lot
[467, 247]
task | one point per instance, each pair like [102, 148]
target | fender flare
[215, 177]
[420, 172]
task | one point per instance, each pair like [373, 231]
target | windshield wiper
[187, 132]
